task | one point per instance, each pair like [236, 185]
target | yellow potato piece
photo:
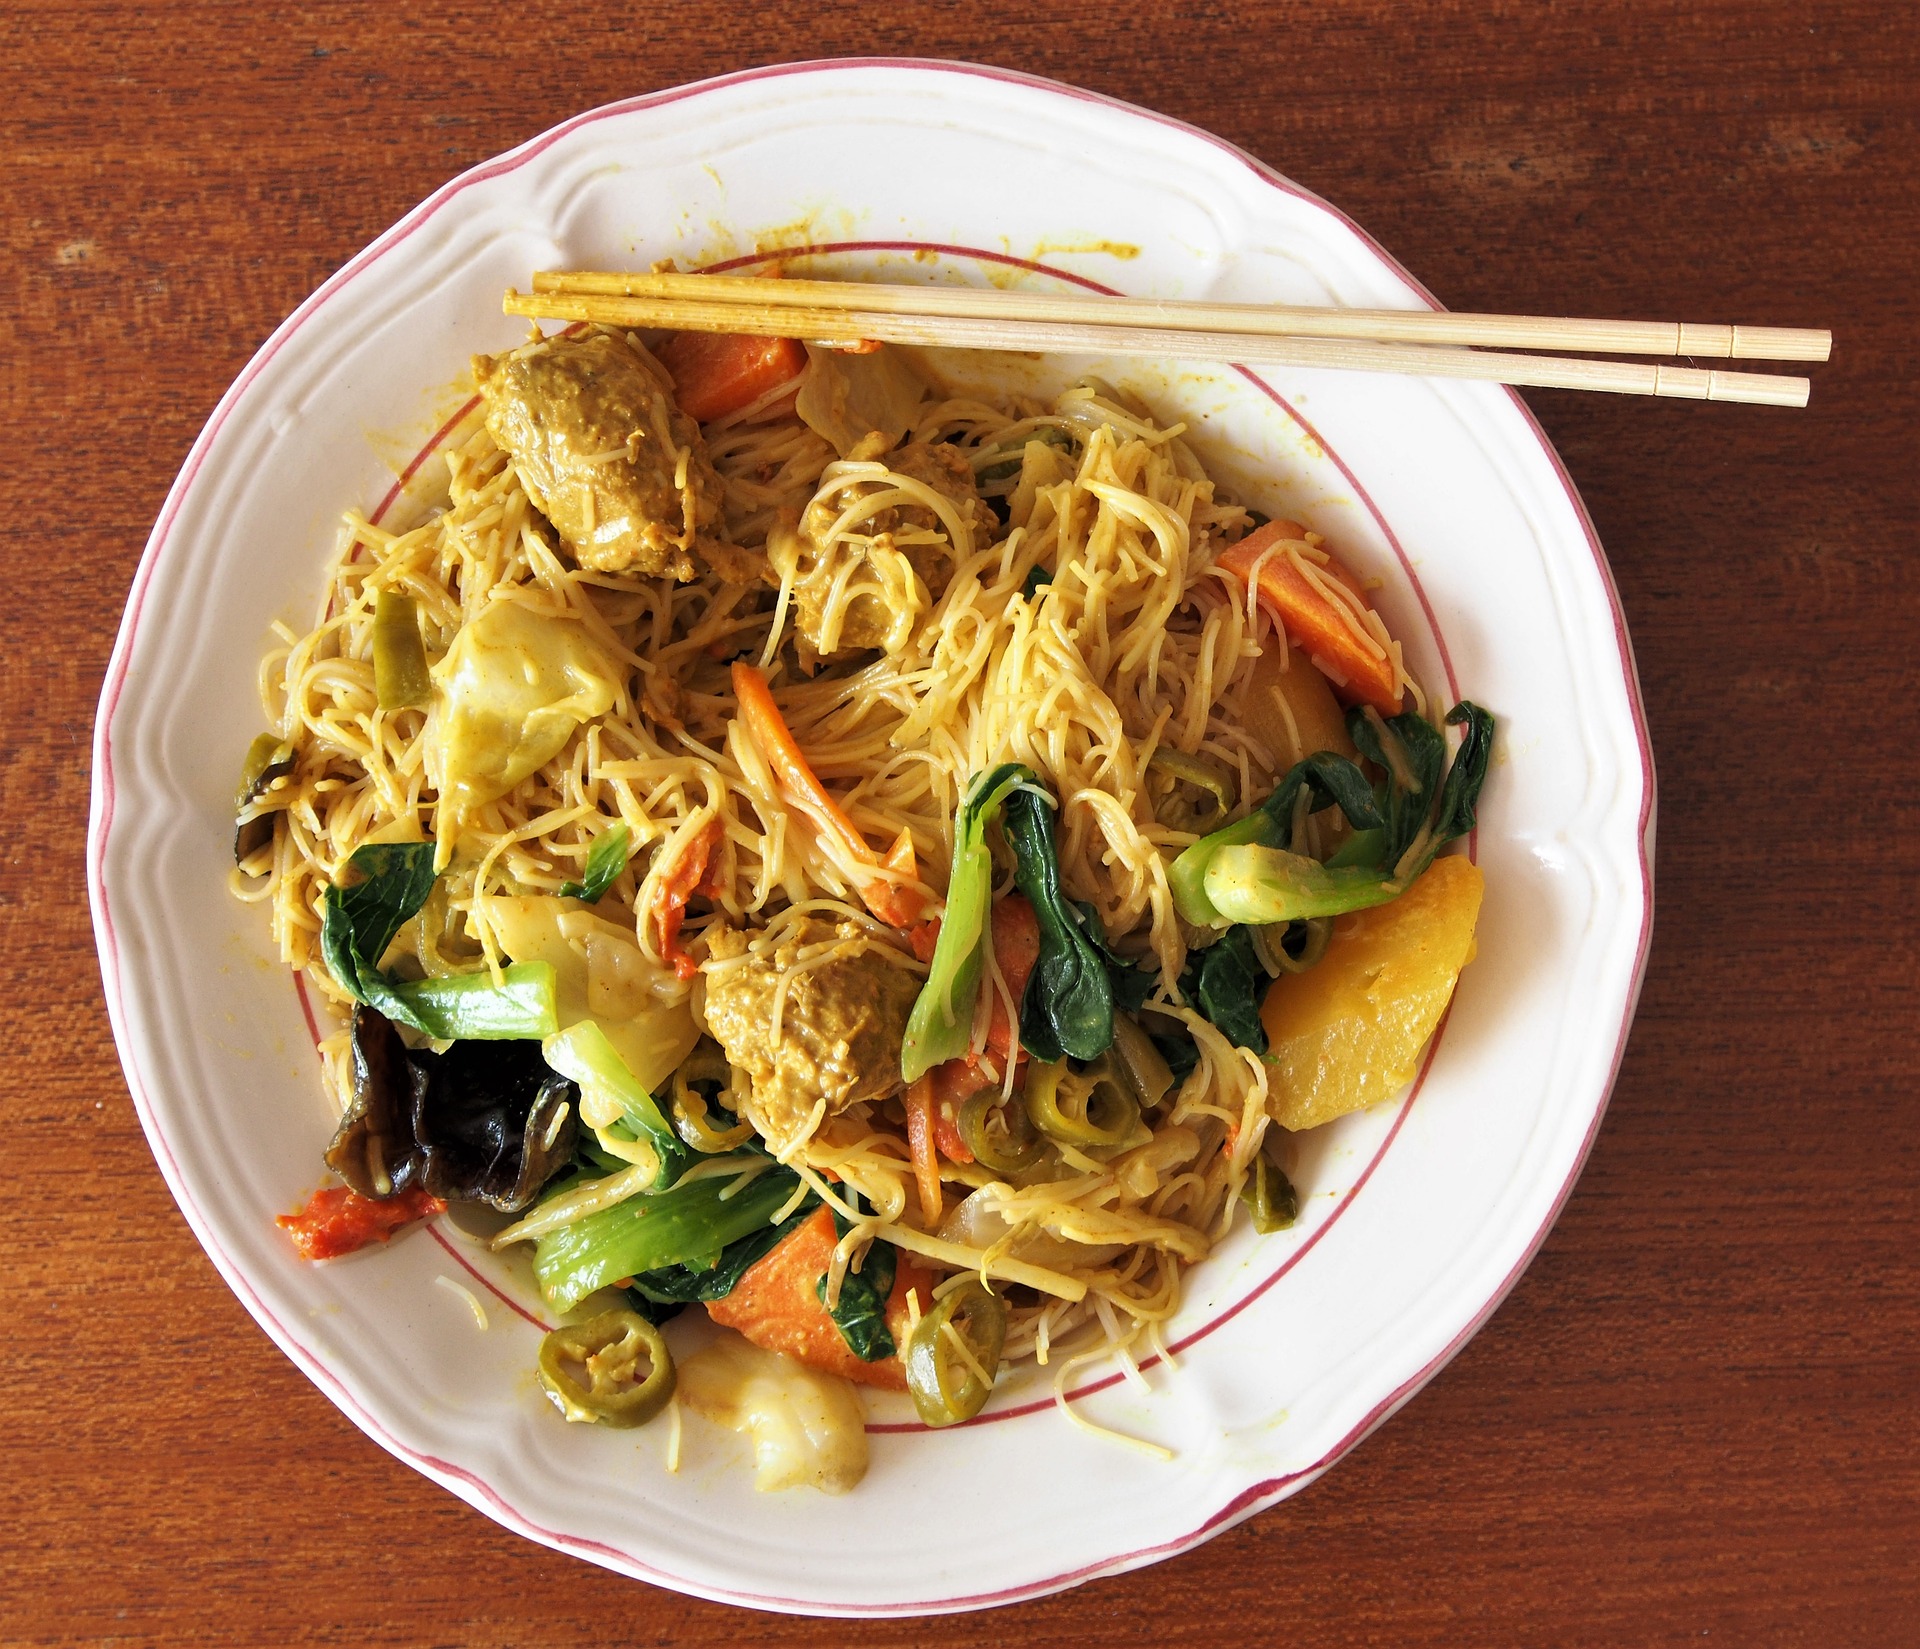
[1348, 1033]
[1317, 722]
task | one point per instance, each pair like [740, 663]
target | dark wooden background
[1695, 1417]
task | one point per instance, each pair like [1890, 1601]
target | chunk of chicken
[832, 1034]
[592, 428]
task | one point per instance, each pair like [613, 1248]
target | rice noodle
[1133, 642]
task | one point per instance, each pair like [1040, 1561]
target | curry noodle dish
[891, 869]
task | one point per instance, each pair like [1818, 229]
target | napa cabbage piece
[846, 397]
[808, 1429]
[600, 973]
[510, 692]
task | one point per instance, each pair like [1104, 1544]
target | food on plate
[887, 867]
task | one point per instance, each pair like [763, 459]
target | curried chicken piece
[842, 1017]
[591, 426]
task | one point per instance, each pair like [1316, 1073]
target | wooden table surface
[1695, 1416]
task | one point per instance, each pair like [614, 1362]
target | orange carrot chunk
[776, 1305]
[1311, 620]
[715, 373]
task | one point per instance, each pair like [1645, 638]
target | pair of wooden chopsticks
[1366, 340]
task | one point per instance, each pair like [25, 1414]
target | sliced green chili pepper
[1269, 1194]
[1080, 1107]
[400, 678]
[950, 1381]
[1143, 1065]
[1212, 790]
[269, 757]
[690, 1119]
[627, 1367]
[1012, 1149]
[1292, 947]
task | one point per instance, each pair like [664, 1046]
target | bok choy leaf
[1247, 876]
[389, 883]
[938, 1029]
[690, 1225]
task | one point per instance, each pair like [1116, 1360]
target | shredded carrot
[954, 1083]
[1309, 617]
[685, 877]
[888, 899]
[715, 373]
[926, 1165]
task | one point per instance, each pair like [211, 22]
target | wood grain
[1694, 1418]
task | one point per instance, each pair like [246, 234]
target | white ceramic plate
[1418, 1215]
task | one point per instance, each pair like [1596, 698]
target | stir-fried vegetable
[1080, 1108]
[1328, 781]
[615, 1370]
[614, 1105]
[1010, 1148]
[605, 860]
[689, 1225]
[338, 1220]
[890, 899]
[675, 886]
[942, 1018]
[1225, 982]
[269, 757]
[1068, 1008]
[1253, 879]
[1311, 617]
[860, 1311]
[715, 373]
[690, 1118]
[1190, 792]
[1269, 1195]
[400, 679]
[483, 1122]
[1143, 1066]
[662, 1291]
[359, 922]
[953, 1357]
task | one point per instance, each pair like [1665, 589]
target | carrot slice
[1312, 622]
[776, 1306]
[715, 373]
[1016, 948]
[918, 1103]
[887, 899]
[683, 878]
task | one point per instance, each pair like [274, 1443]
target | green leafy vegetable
[1225, 982]
[690, 1225]
[685, 1284]
[391, 881]
[1329, 780]
[1038, 578]
[400, 678]
[942, 1017]
[1244, 874]
[1131, 985]
[605, 860]
[860, 1313]
[613, 1102]
[1068, 1007]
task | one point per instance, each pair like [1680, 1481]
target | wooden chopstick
[852, 326]
[1750, 343]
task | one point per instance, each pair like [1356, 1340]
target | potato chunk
[1348, 1033]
